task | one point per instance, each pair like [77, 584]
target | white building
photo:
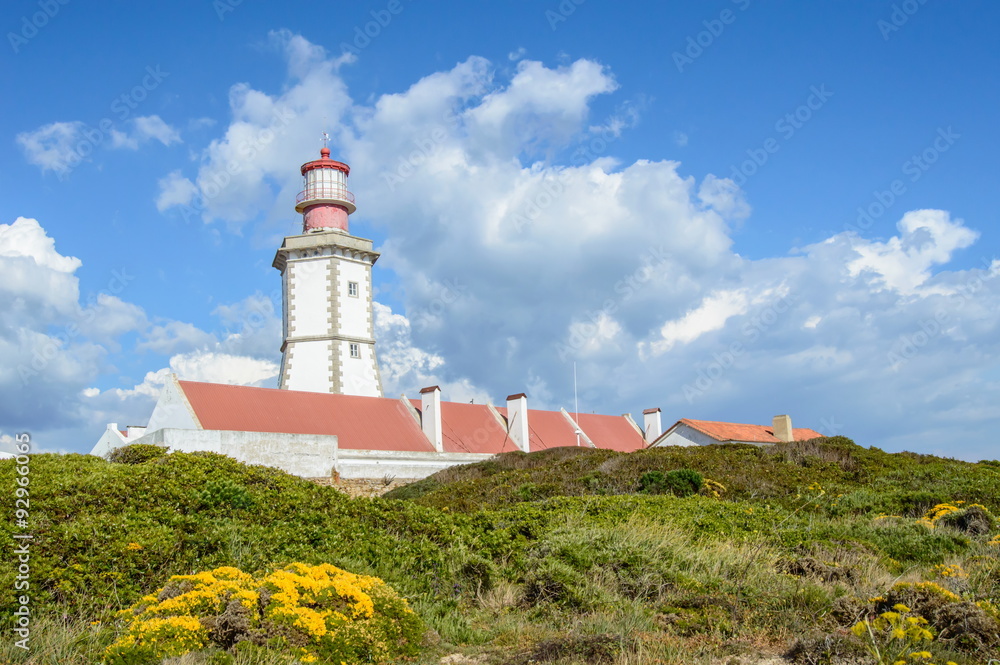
[316, 435]
[687, 432]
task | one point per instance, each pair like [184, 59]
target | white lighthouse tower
[326, 277]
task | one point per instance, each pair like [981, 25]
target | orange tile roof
[471, 428]
[747, 433]
[360, 423]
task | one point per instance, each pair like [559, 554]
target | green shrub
[136, 453]
[974, 520]
[557, 583]
[225, 493]
[680, 482]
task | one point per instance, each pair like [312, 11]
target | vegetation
[314, 612]
[679, 555]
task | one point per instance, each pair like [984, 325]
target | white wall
[379, 463]
[110, 439]
[309, 291]
[171, 410]
[305, 455]
[354, 318]
[686, 436]
[357, 375]
[309, 366]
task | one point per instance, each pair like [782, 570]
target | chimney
[113, 426]
[782, 426]
[651, 426]
[430, 416]
[517, 420]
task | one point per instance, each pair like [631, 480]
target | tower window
[355, 350]
[352, 289]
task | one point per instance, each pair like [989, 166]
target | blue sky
[667, 195]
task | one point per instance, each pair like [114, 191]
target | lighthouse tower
[326, 276]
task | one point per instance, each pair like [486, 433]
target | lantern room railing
[325, 191]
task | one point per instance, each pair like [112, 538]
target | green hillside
[564, 556]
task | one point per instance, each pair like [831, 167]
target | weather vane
[326, 139]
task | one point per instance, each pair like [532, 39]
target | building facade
[328, 343]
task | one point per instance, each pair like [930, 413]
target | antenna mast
[576, 400]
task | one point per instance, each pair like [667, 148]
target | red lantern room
[325, 202]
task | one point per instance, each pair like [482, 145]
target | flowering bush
[889, 636]
[321, 613]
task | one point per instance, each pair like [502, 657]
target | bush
[224, 493]
[320, 613]
[136, 453]
[681, 482]
[974, 520]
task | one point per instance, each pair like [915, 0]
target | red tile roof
[360, 423]
[611, 432]
[471, 428]
[747, 433]
[379, 423]
[547, 429]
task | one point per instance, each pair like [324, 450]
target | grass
[549, 557]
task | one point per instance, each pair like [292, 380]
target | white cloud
[903, 263]
[175, 190]
[52, 147]
[25, 237]
[144, 129]
[725, 196]
[51, 346]
[153, 127]
[174, 337]
[215, 367]
[710, 315]
[406, 369]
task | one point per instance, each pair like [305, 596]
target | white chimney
[113, 426]
[782, 426]
[430, 416]
[517, 421]
[651, 426]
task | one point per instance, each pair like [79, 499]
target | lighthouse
[328, 342]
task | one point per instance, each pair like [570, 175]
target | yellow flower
[134, 547]
[900, 607]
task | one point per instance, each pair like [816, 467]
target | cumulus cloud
[49, 342]
[54, 345]
[405, 368]
[903, 263]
